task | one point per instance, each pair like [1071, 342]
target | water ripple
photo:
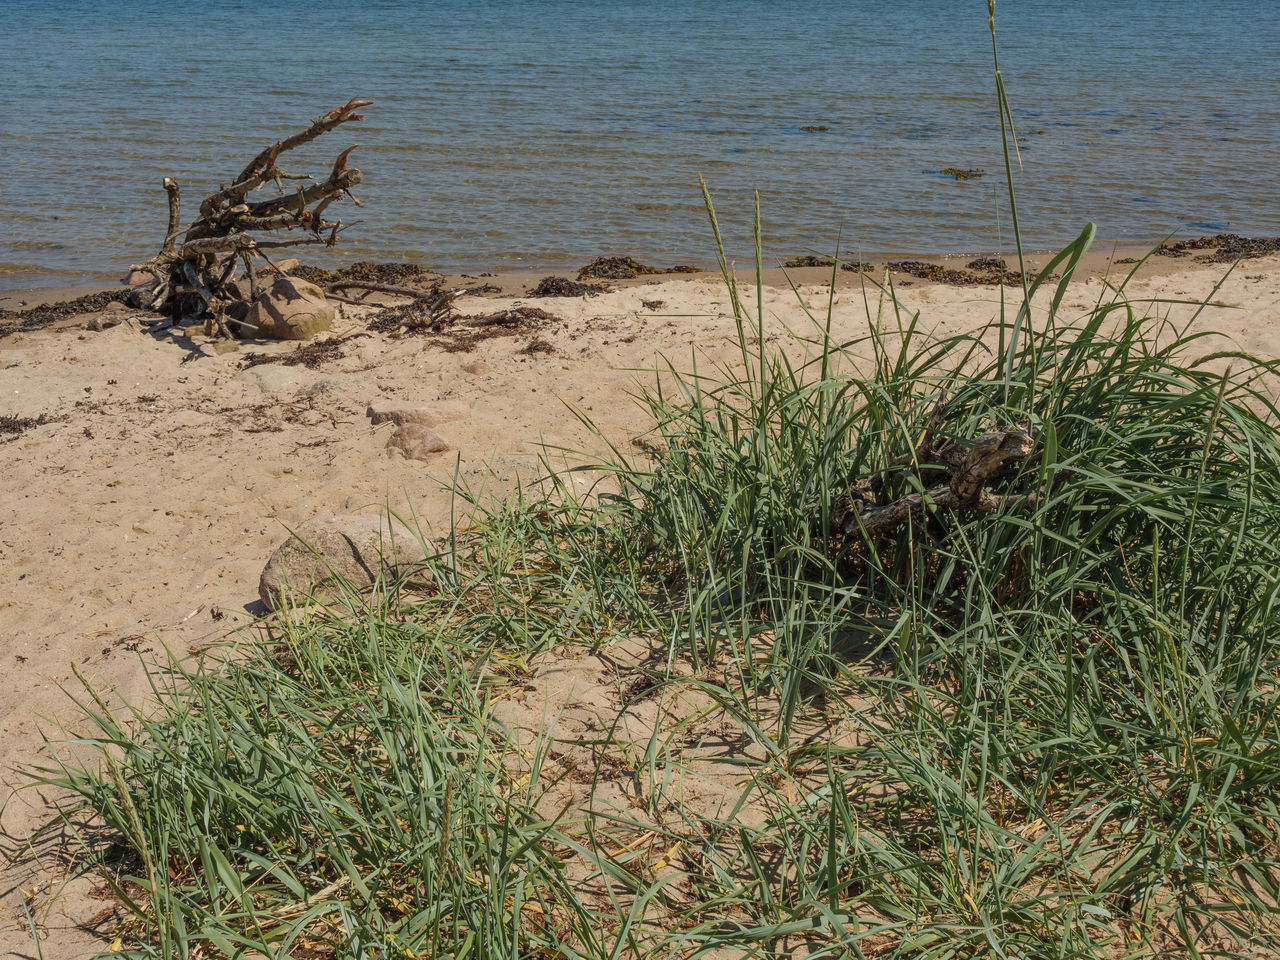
[547, 132]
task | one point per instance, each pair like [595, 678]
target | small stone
[477, 368]
[135, 277]
[329, 387]
[323, 554]
[414, 441]
[221, 347]
[389, 411]
[272, 378]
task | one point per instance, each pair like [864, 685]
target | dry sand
[138, 519]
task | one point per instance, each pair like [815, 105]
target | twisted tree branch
[993, 455]
[195, 274]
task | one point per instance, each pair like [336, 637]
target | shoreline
[1102, 261]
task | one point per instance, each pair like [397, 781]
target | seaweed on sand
[809, 260]
[310, 355]
[402, 273]
[625, 268]
[563, 287]
[1226, 247]
[982, 270]
[47, 314]
[429, 312]
[463, 333]
[13, 427]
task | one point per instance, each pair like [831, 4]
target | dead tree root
[195, 271]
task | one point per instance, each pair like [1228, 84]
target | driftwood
[196, 274]
[869, 511]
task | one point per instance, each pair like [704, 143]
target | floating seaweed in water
[563, 287]
[814, 128]
[956, 173]
[625, 268]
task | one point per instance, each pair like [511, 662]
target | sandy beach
[146, 478]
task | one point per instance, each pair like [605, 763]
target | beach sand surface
[136, 519]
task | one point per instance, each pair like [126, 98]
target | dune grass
[1062, 722]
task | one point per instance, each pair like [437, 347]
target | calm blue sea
[541, 133]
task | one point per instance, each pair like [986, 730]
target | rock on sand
[322, 554]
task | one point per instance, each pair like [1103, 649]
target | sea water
[541, 133]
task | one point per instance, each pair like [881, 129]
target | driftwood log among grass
[208, 269]
[871, 510]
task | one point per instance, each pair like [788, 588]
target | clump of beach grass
[1058, 724]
